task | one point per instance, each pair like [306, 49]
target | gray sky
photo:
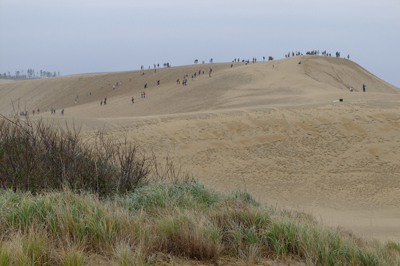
[97, 35]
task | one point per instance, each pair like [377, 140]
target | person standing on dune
[363, 87]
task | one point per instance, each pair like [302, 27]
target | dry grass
[137, 229]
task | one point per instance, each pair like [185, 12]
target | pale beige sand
[4, 81]
[274, 131]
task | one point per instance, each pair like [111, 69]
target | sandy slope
[4, 81]
[270, 127]
[283, 83]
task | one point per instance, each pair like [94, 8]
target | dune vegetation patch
[35, 156]
[153, 225]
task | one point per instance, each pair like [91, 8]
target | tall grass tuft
[189, 236]
[187, 194]
[4, 257]
[73, 256]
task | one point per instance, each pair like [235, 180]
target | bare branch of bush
[36, 156]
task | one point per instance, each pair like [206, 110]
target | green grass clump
[164, 194]
[162, 222]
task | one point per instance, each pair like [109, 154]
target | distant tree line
[29, 74]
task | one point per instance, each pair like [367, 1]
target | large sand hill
[270, 127]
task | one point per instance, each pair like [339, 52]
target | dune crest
[282, 83]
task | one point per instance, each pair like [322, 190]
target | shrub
[35, 156]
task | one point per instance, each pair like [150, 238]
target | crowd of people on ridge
[194, 75]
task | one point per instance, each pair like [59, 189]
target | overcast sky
[87, 36]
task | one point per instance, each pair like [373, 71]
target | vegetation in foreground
[37, 156]
[44, 221]
[162, 222]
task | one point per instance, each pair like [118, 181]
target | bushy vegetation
[36, 157]
[154, 220]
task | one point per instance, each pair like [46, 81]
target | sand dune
[4, 81]
[282, 83]
[270, 127]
